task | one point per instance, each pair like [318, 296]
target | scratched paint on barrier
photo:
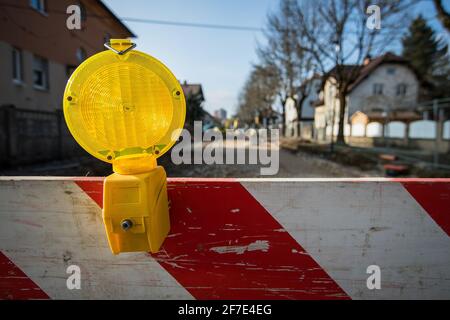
[223, 245]
[247, 257]
[434, 198]
[15, 284]
[261, 245]
[222, 254]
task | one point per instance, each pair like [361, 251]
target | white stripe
[346, 227]
[46, 226]
[367, 179]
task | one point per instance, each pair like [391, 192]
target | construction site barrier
[233, 239]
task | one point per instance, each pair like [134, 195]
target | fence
[427, 135]
[431, 134]
[422, 129]
[269, 239]
[31, 136]
[302, 129]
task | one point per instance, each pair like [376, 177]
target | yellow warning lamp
[126, 108]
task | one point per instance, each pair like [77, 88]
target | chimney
[367, 60]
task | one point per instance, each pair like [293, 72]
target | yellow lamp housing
[126, 108]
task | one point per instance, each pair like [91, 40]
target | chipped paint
[259, 245]
[316, 246]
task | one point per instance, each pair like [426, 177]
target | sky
[218, 59]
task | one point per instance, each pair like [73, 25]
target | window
[378, 89]
[40, 73]
[81, 55]
[401, 90]
[17, 65]
[390, 70]
[38, 5]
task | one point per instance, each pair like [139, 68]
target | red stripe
[94, 189]
[434, 197]
[224, 245]
[15, 284]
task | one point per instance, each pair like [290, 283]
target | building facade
[220, 114]
[38, 51]
[301, 126]
[386, 85]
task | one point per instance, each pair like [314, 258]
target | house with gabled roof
[385, 85]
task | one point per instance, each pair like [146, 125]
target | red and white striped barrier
[233, 239]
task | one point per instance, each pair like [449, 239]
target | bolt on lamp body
[135, 210]
[123, 107]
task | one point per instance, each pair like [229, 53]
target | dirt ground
[371, 161]
[291, 164]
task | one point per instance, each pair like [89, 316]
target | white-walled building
[220, 114]
[311, 89]
[385, 84]
[313, 86]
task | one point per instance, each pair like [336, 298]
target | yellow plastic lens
[121, 105]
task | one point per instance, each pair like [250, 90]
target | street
[298, 164]
[292, 165]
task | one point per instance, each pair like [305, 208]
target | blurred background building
[38, 53]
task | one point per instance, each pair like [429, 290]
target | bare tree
[284, 52]
[339, 38]
[259, 92]
[443, 14]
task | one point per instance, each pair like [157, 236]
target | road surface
[291, 164]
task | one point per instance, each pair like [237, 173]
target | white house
[310, 88]
[385, 85]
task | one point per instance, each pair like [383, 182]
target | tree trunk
[342, 106]
[443, 15]
[283, 116]
[299, 106]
